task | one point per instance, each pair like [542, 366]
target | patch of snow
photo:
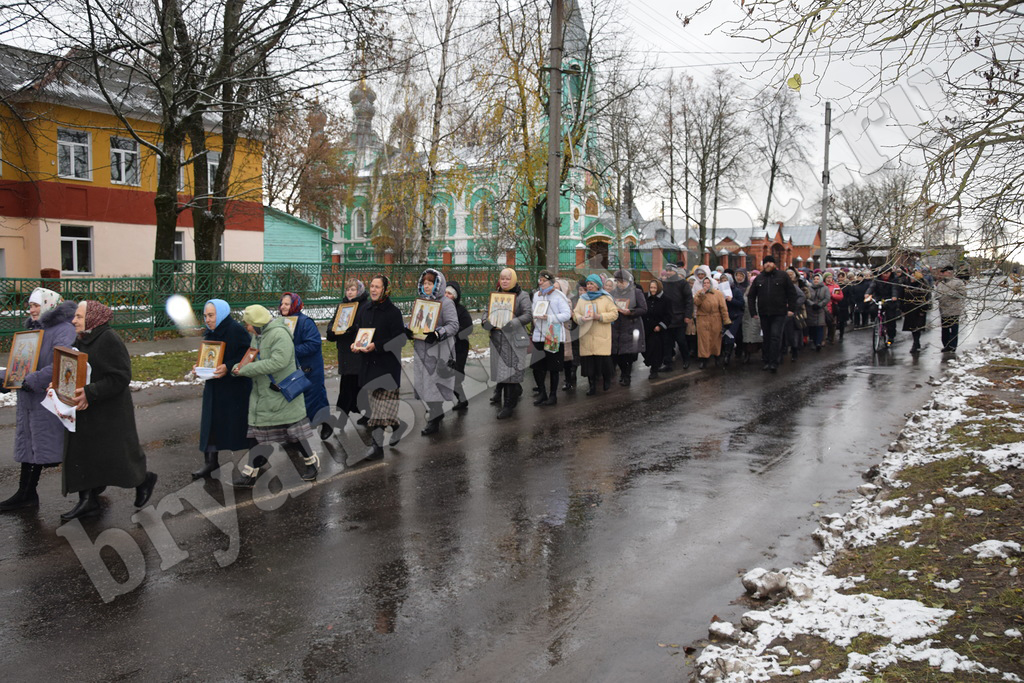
[990, 549]
[153, 354]
[1003, 490]
[953, 585]
[968, 491]
[973, 512]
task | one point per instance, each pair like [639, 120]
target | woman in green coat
[272, 417]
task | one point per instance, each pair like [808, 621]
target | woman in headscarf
[691, 326]
[434, 356]
[309, 354]
[628, 340]
[795, 325]
[548, 337]
[712, 318]
[454, 292]
[272, 418]
[38, 433]
[818, 296]
[381, 373]
[834, 308]
[225, 415]
[510, 345]
[349, 362]
[659, 311]
[595, 312]
[104, 449]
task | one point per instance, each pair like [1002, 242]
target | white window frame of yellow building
[68, 147]
[212, 164]
[121, 158]
[74, 240]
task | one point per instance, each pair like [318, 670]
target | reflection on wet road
[564, 544]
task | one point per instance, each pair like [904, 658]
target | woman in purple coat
[38, 434]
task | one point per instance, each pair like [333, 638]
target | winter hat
[256, 315]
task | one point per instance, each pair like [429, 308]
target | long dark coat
[628, 330]
[309, 355]
[104, 449]
[38, 433]
[382, 367]
[226, 400]
[914, 302]
[349, 362]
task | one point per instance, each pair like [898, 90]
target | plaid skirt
[384, 406]
[293, 433]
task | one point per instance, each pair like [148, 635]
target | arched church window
[358, 224]
[441, 222]
[592, 207]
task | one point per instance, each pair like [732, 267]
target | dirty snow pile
[810, 601]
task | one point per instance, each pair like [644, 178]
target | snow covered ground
[812, 604]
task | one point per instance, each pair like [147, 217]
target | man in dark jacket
[885, 291]
[680, 306]
[772, 298]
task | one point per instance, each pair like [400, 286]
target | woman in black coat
[454, 292]
[914, 304]
[381, 373]
[659, 312]
[104, 449]
[225, 417]
[349, 362]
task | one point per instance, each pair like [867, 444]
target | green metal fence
[138, 302]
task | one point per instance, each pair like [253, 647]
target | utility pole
[554, 219]
[823, 249]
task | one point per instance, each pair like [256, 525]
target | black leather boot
[88, 505]
[212, 462]
[21, 498]
[376, 449]
[592, 390]
[432, 426]
[144, 490]
[542, 396]
[312, 466]
[506, 402]
[496, 396]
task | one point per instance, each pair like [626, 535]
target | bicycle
[879, 337]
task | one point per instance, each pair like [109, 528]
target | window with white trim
[358, 224]
[75, 249]
[212, 164]
[483, 218]
[441, 224]
[73, 154]
[124, 161]
[179, 245]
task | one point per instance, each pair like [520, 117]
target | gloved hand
[408, 333]
[486, 324]
[431, 338]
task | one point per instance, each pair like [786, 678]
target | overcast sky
[867, 131]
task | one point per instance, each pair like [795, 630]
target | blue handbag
[292, 385]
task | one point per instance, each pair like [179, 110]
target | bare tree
[781, 141]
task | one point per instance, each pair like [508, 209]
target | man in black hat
[772, 298]
[680, 301]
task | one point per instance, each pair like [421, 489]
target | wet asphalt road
[564, 544]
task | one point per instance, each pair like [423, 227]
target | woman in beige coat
[594, 313]
[712, 318]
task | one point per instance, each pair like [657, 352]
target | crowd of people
[598, 327]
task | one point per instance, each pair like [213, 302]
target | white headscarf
[46, 298]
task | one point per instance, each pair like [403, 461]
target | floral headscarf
[296, 306]
[46, 298]
[96, 314]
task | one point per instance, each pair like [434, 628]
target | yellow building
[77, 189]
